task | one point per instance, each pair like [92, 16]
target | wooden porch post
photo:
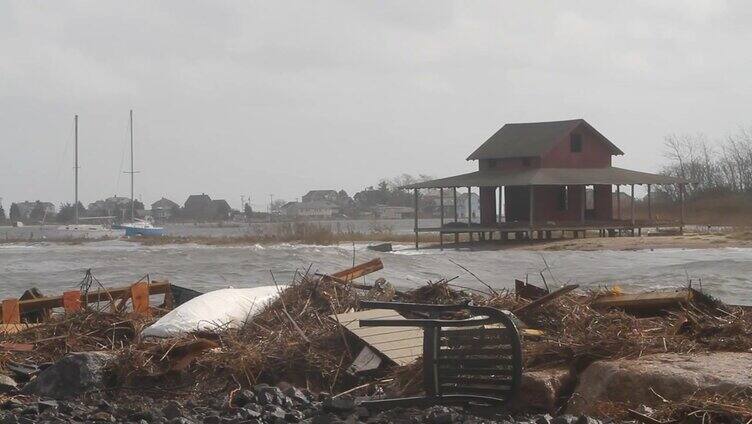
[584, 203]
[501, 203]
[650, 206]
[618, 202]
[441, 230]
[532, 203]
[681, 197]
[631, 206]
[456, 235]
[415, 199]
[469, 207]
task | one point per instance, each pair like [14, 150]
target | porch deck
[522, 230]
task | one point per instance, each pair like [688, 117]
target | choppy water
[56, 267]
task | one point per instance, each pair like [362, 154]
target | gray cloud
[280, 97]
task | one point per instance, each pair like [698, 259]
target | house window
[563, 198]
[525, 161]
[575, 143]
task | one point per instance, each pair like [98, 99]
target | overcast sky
[279, 97]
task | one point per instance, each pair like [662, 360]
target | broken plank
[11, 311]
[547, 298]
[155, 287]
[359, 270]
[653, 301]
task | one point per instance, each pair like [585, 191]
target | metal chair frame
[451, 373]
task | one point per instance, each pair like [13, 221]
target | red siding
[517, 204]
[487, 205]
[594, 154]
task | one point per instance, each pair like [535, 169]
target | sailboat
[138, 227]
[90, 229]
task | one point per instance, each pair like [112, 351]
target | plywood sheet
[402, 345]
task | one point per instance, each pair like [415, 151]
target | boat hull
[147, 232]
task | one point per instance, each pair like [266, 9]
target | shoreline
[624, 243]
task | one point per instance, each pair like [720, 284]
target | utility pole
[75, 203]
[132, 208]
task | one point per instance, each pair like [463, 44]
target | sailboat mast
[75, 204]
[132, 206]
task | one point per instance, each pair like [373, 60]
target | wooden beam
[72, 301]
[11, 311]
[584, 202]
[441, 205]
[469, 207]
[654, 301]
[140, 298]
[359, 270]
[501, 204]
[456, 235]
[532, 214]
[631, 209]
[618, 202]
[547, 298]
[156, 287]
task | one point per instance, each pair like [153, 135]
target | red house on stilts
[546, 178]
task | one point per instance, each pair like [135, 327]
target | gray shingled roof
[531, 139]
[549, 176]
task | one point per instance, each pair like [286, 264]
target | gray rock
[564, 419]
[71, 376]
[339, 404]
[297, 396]
[46, 405]
[172, 410]
[102, 416]
[585, 419]
[543, 419]
[7, 384]
[243, 398]
[9, 419]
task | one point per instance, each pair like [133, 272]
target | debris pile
[296, 340]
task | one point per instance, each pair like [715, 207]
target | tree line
[714, 167]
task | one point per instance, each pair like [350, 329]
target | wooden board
[140, 298]
[360, 270]
[11, 311]
[654, 301]
[401, 345]
[14, 328]
[156, 287]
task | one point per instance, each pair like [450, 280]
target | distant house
[289, 209]
[393, 212]
[318, 209]
[164, 209]
[198, 207]
[321, 196]
[462, 200]
[220, 209]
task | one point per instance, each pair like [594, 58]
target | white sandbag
[214, 311]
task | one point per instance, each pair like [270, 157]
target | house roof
[549, 176]
[164, 203]
[532, 139]
[318, 204]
